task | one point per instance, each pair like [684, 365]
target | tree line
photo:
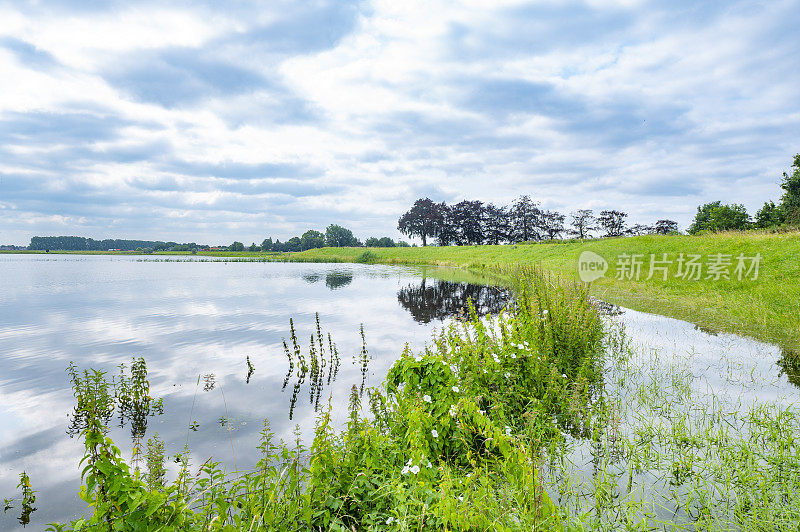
[334, 236]
[716, 216]
[473, 222]
[79, 243]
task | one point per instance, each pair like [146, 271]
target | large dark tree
[525, 216]
[612, 222]
[424, 220]
[468, 218]
[448, 232]
[552, 224]
[236, 246]
[583, 223]
[497, 224]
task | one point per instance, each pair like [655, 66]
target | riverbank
[764, 305]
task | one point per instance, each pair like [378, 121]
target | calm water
[196, 322]
[192, 321]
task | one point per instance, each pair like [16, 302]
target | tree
[715, 216]
[312, 239]
[612, 222]
[468, 218]
[770, 215]
[497, 225]
[383, 242]
[552, 224]
[665, 227]
[583, 223]
[525, 218]
[338, 237]
[448, 232]
[253, 247]
[790, 202]
[266, 245]
[236, 246]
[639, 229]
[294, 244]
[424, 220]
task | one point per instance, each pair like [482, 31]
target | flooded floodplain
[212, 335]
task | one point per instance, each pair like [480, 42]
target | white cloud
[596, 104]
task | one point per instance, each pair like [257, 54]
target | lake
[198, 321]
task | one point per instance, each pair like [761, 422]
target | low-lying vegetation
[542, 417]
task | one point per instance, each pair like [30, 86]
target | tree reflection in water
[789, 362]
[437, 300]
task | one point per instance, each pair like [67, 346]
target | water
[197, 322]
[194, 323]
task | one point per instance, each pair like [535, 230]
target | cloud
[137, 120]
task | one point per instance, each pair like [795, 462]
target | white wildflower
[452, 410]
[508, 375]
[405, 470]
[390, 520]
[426, 398]
[513, 355]
[461, 498]
[410, 462]
[434, 433]
[508, 431]
[564, 375]
[415, 469]
[455, 389]
[430, 465]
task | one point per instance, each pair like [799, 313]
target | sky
[216, 121]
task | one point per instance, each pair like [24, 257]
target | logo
[591, 266]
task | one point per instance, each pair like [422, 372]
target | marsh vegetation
[541, 416]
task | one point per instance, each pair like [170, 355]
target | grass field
[766, 308]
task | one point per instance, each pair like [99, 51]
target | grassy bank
[766, 308]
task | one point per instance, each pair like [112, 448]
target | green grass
[767, 308]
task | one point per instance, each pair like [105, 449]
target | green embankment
[767, 308]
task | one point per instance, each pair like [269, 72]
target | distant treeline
[334, 236]
[79, 243]
[474, 223]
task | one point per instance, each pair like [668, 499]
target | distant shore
[765, 307]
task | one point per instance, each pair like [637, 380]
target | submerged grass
[543, 417]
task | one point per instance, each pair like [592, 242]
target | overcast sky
[214, 121]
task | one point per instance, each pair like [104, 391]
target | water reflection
[338, 279]
[333, 280]
[789, 362]
[437, 300]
